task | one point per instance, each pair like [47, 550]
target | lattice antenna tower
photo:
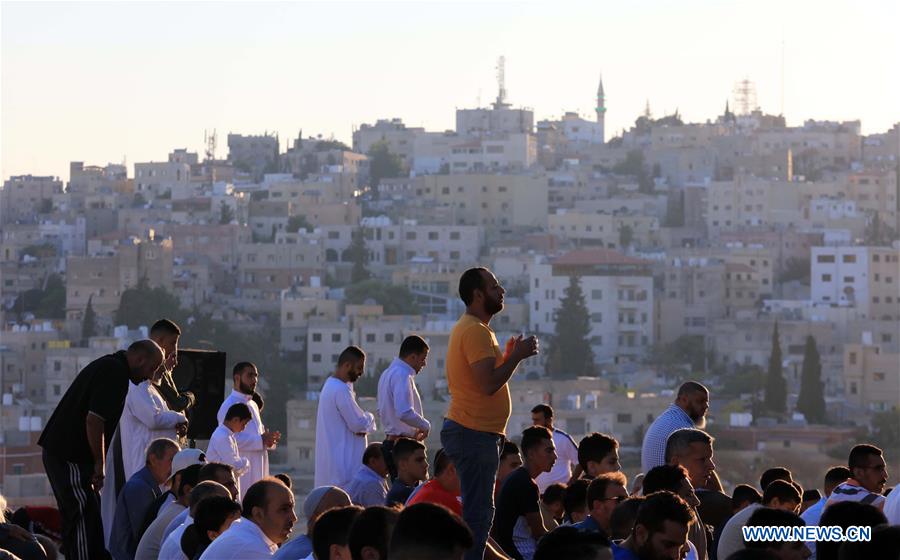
[210, 140]
[501, 81]
[745, 97]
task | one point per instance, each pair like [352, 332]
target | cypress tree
[570, 351]
[811, 401]
[89, 321]
[359, 254]
[776, 386]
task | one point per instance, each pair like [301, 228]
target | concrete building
[163, 180]
[692, 296]
[863, 277]
[607, 229]
[747, 203]
[399, 138]
[871, 376]
[23, 197]
[254, 154]
[299, 306]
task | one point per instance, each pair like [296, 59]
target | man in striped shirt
[869, 477]
[688, 411]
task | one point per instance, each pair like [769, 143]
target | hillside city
[758, 258]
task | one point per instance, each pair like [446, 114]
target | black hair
[859, 453]
[783, 490]
[240, 367]
[595, 447]
[885, 544]
[285, 478]
[570, 543]
[575, 498]
[147, 348]
[333, 527]
[431, 531]
[773, 474]
[554, 493]
[258, 495]
[238, 410]
[470, 281]
[404, 447]
[351, 354]
[413, 344]
[372, 527]
[211, 469]
[812, 495]
[442, 462]
[597, 488]
[209, 515]
[165, 326]
[766, 516]
[621, 521]
[661, 507]
[837, 475]
[509, 448]
[690, 387]
[843, 515]
[664, 477]
[190, 476]
[544, 409]
[533, 436]
[744, 493]
[373, 451]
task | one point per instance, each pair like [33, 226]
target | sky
[106, 82]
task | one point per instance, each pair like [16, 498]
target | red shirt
[433, 493]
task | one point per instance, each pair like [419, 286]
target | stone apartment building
[871, 375]
[24, 196]
[863, 277]
[605, 230]
[165, 179]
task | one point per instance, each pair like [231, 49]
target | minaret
[601, 110]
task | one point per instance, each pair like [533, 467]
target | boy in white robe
[223, 447]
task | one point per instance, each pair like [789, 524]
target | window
[849, 279]
[454, 255]
[334, 235]
[595, 317]
[432, 236]
[826, 278]
[454, 236]
[623, 418]
[849, 258]
[335, 337]
[852, 358]
[825, 259]
[410, 236]
[389, 337]
[370, 337]
[317, 337]
[878, 376]
[595, 294]
[317, 358]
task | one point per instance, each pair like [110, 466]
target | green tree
[383, 163]
[570, 352]
[886, 430]
[52, 304]
[143, 305]
[296, 223]
[396, 300]
[226, 214]
[367, 385]
[811, 401]
[776, 385]
[626, 236]
[358, 254]
[89, 321]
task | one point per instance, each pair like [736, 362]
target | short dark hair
[509, 448]
[413, 344]
[189, 476]
[661, 507]
[333, 527]
[597, 488]
[594, 447]
[210, 513]
[570, 543]
[664, 477]
[165, 326]
[258, 495]
[532, 437]
[812, 495]
[554, 493]
[544, 409]
[885, 542]
[160, 446]
[680, 441]
[285, 478]
[745, 493]
[859, 453]
[621, 521]
[844, 514]
[781, 489]
[351, 354]
[372, 527]
[773, 474]
[766, 516]
[690, 387]
[837, 475]
[203, 490]
[373, 451]
[426, 530]
[240, 367]
[404, 447]
[213, 468]
[470, 281]
[442, 462]
[575, 498]
[238, 410]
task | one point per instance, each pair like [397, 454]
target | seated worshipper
[844, 514]
[621, 522]
[318, 501]
[183, 459]
[216, 472]
[833, 478]
[770, 475]
[223, 447]
[869, 476]
[743, 496]
[137, 495]
[510, 460]
[598, 454]
[779, 495]
[369, 485]
[171, 546]
[674, 479]
[20, 543]
[552, 506]
[693, 449]
[660, 530]
[412, 468]
[517, 522]
[604, 494]
[575, 501]
[768, 517]
[183, 481]
[429, 531]
[885, 543]
[267, 518]
[810, 498]
[214, 516]
[570, 543]
[370, 534]
[331, 533]
[443, 489]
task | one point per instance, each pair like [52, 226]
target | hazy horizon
[99, 82]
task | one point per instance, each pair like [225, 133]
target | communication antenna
[782, 76]
[745, 97]
[501, 81]
[210, 140]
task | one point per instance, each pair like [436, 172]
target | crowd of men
[143, 496]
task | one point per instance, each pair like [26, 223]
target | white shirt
[250, 443]
[892, 507]
[244, 540]
[341, 434]
[567, 452]
[171, 547]
[151, 542]
[223, 448]
[812, 516]
[145, 417]
[399, 403]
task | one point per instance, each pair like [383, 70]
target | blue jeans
[476, 456]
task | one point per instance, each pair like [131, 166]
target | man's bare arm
[95, 426]
[490, 379]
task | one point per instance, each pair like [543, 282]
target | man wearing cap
[319, 501]
[185, 474]
[137, 495]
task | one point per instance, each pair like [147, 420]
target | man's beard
[699, 423]
[243, 388]
[646, 552]
[493, 306]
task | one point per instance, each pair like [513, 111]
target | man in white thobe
[399, 403]
[342, 427]
[255, 441]
[146, 417]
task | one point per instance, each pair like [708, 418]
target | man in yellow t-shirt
[477, 376]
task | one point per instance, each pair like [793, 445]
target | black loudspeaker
[201, 372]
